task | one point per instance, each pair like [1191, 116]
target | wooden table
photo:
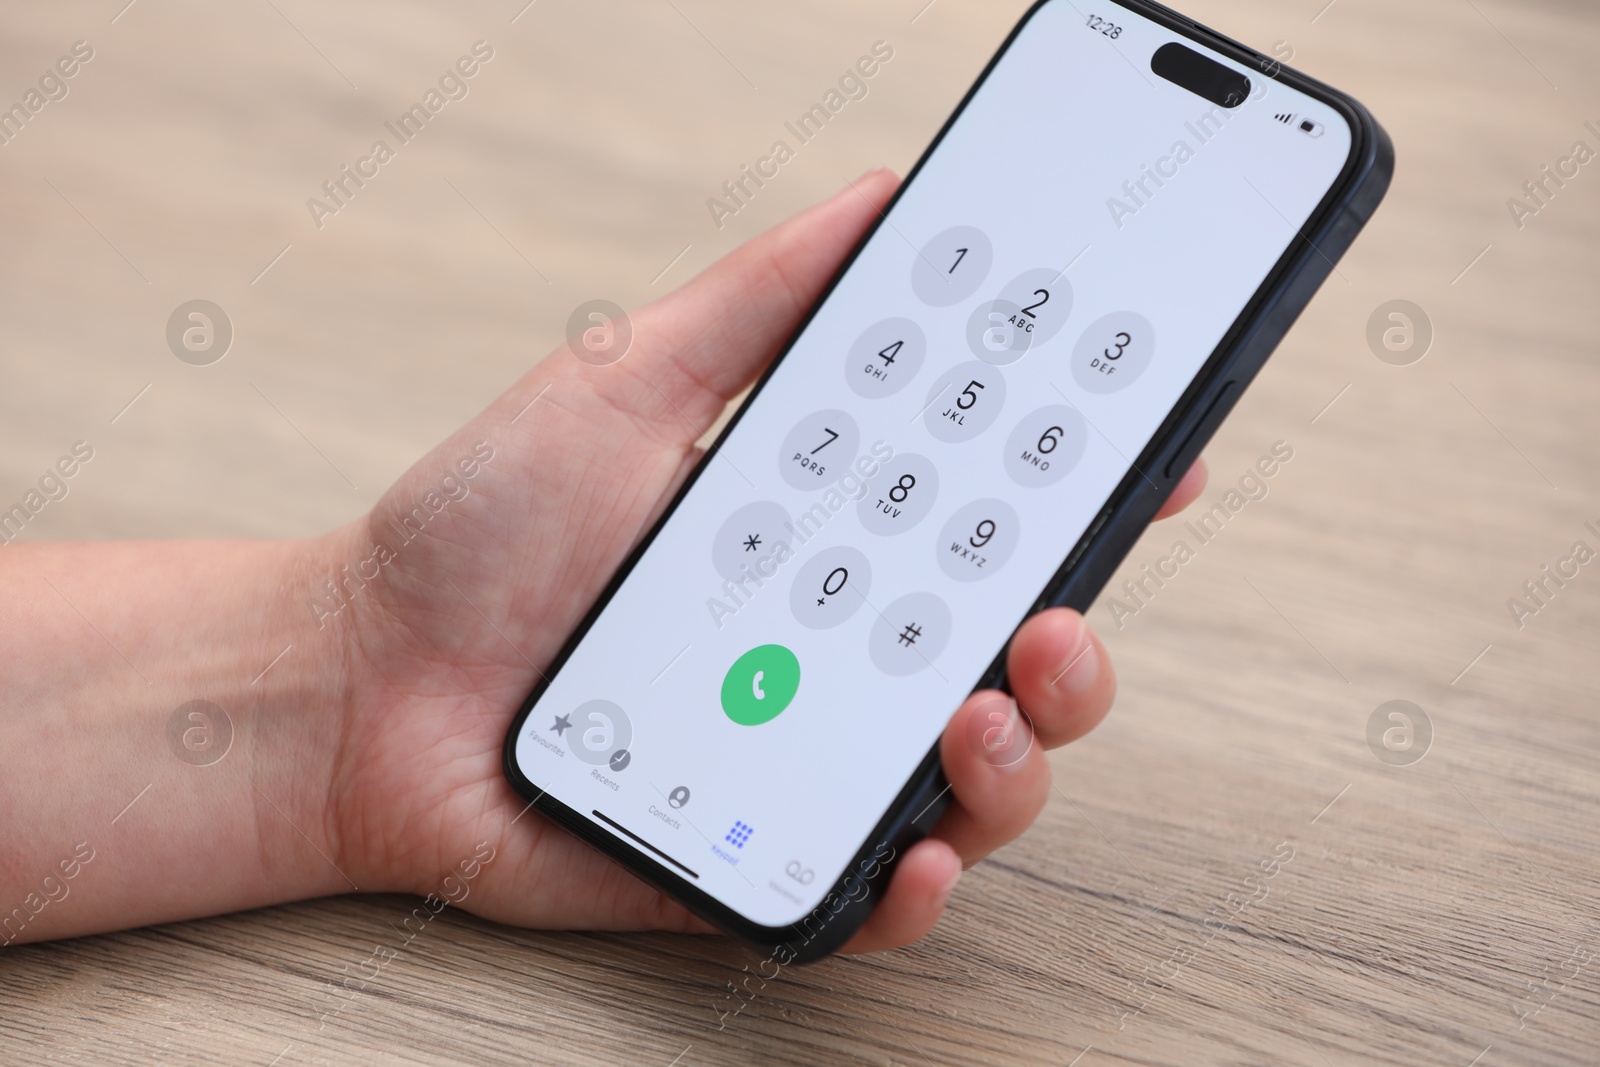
[1441, 912]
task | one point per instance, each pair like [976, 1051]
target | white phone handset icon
[755, 685]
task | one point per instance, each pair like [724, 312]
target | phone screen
[891, 503]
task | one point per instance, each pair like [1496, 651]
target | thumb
[707, 341]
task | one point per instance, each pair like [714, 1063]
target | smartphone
[990, 402]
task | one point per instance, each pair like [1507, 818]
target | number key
[830, 587]
[964, 402]
[885, 358]
[1113, 352]
[900, 495]
[950, 267]
[819, 450]
[1043, 297]
[1045, 446]
[978, 540]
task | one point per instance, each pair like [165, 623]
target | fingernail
[1081, 668]
[950, 886]
[999, 733]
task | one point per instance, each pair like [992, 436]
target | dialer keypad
[967, 384]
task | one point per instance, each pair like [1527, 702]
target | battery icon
[1311, 127]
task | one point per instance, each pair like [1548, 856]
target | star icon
[561, 724]
[751, 542]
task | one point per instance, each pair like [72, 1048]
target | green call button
[760, 684]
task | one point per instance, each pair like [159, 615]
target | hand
[443, 648]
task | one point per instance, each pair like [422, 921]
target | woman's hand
[443, 644]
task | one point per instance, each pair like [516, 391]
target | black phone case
[1296, 277]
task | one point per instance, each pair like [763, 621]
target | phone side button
[1181, 458]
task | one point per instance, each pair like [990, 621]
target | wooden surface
[1426, 911]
